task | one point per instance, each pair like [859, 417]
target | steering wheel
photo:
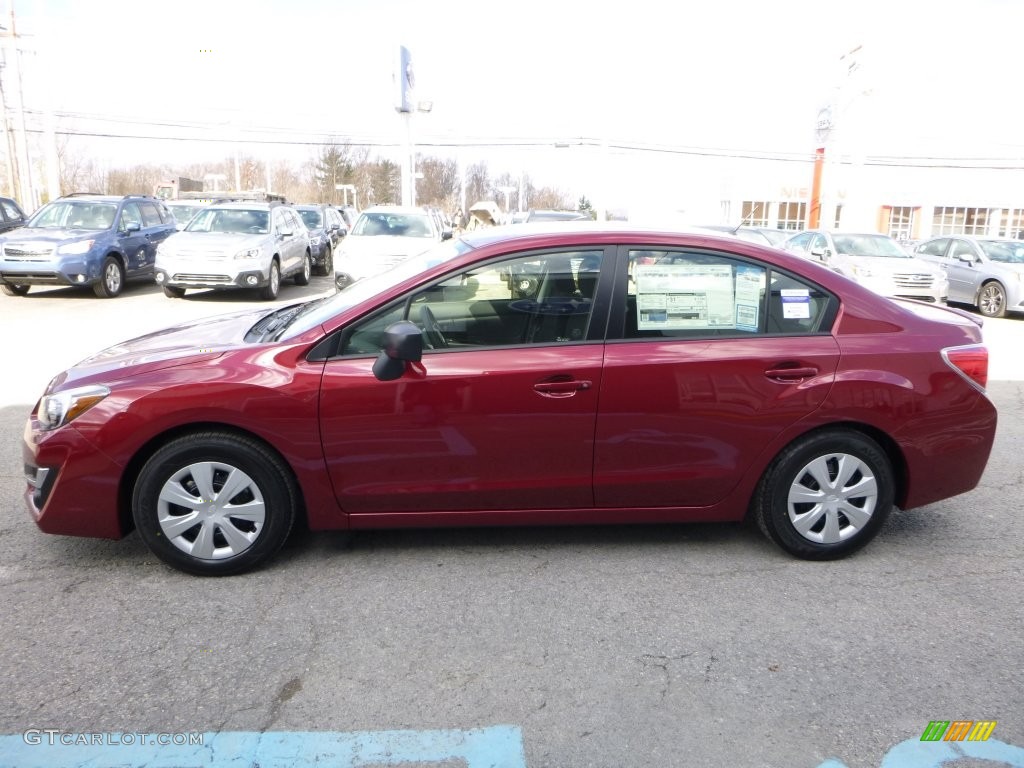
[432, 335]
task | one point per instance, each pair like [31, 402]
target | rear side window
[150, 215]
[701, 294]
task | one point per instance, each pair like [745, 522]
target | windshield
[312, 218]
[316, 312]
[232, 220]
[1004, 251]
[870, 245]
[394, 224]
[75, 215]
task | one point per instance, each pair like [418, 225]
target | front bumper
[77, 272]
[71, 487]
[251, 278]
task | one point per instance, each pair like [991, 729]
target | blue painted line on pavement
[498, 746]
[914, 753]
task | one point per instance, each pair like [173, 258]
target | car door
[132, 241]
[962, 271]
[716, 356]
[499, 415]
[155, 232]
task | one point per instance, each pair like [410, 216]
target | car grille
[913, 280]
[185, 277]
[27, 252]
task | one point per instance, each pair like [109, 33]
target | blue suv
[85, 240]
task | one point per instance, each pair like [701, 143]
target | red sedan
[644, 377]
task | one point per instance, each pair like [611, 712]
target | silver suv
[236, 245]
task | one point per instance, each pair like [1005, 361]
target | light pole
[507, 191]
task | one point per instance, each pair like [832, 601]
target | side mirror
[132, 226]
[447, 234]
[285, 232]
[403, 343]
[966, 258]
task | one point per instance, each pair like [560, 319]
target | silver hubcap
[832, 498]
[211, 510]
[991, 299]
[113, 278]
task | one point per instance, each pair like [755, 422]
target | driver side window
[545, 298]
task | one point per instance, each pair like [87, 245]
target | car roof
[622, 230]
[400, 209]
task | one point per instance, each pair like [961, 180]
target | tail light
[969, 361]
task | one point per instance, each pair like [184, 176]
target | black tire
[173, 292]
[111, 279]
[14, 290]
[849, 514]
[302, 276]
[327, 267]
[269, 291]
[217, 544]
[992, 299]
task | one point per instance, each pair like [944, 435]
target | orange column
[814, 214]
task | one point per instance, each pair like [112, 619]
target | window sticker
[684, 296]
[749, 285]
[796, 303]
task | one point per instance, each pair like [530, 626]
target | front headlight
[76, 249]
[314, 241]
[59, 409]
[251, 253]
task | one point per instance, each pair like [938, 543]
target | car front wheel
[826, 495]
[111, 279]
[273, 285]
[327, 268]
[214, 504]
[992, 300]
[14, 290]
[173, 292]
[302, 278]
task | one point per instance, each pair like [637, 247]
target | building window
[960, 221]
[755, 213]
[792, 216]
[901, 223]
[1012, 224]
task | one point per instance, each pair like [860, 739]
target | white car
[382, 237]
[875, 261]
[236, 245]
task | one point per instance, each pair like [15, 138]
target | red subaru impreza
[644, 376]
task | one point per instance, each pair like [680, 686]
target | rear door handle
[790, 375]
[562, 388]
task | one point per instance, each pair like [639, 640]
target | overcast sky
[932, 78]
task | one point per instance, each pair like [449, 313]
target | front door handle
[562, 387]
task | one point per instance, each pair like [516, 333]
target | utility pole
[22, 168]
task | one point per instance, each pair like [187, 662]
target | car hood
[48, 236]
[891, 265]
[358, 246]
[227, 243]
[200, 339]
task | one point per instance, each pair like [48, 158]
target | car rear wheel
[992, 300]
[14, 290]
[214, 504]
[826, 495]
[111, 279]
[302, 278]
[270, 290]
[173, 292]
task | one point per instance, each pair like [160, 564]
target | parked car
[236, 245]
[874, 260]
[986, 273]
[11, 215]
[533, 216]
[326, 229]
[349, 214]
[184, 210]
[383, 236]
[85, 240]
[715, 379]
